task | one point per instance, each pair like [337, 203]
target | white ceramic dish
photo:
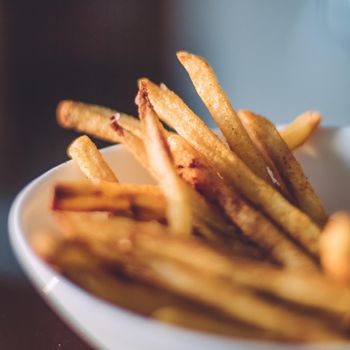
[326, 159]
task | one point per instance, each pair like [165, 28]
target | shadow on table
[26, 322]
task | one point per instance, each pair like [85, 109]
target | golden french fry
[300, 129]
[98, 122]
[132, 244]
[289, 168]
[93, 120]
[195, 170]
[133, 143]
[140, 201]
[215, 99]
[279, 182]
[172, 110]
[90, 161]
[179, 212]
[335, 247]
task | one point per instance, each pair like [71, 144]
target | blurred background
[276, 57]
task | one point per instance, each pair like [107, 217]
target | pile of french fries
[231, 240]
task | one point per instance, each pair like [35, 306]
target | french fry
[90, 161]
[289, 168]
[98, 122]
[126, 242]
[93, 120]
[279, 182]
[179, 212]
[141, 201]
[335, 247]
[172, 110]
[213, 96]
[299, 130]
[133, 143]
[255, 226]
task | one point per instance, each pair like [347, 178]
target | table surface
[26, 321]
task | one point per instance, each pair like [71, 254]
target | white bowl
[326, 160]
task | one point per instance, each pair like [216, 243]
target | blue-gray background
[277, 57]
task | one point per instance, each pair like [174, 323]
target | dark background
[49, 51]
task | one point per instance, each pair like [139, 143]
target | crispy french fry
[126, 242]
[93, 119]
[193, 167]
[179, 212]
[335, 247]
[133, 143]
[141, 201]
[300, 129]
[172, 110]
[289, 168]
[98, 122]
[215, 99]
[90, 161]
[279, 182]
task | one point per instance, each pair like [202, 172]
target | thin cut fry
[335, 247]
[300, 129]
[289, 168]
[179, 213]
[195, 170]
[279, 182]
[133, 143]
[213, 96]
[141, 201]
[94, 120]
[172, 110]
[90, 161]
